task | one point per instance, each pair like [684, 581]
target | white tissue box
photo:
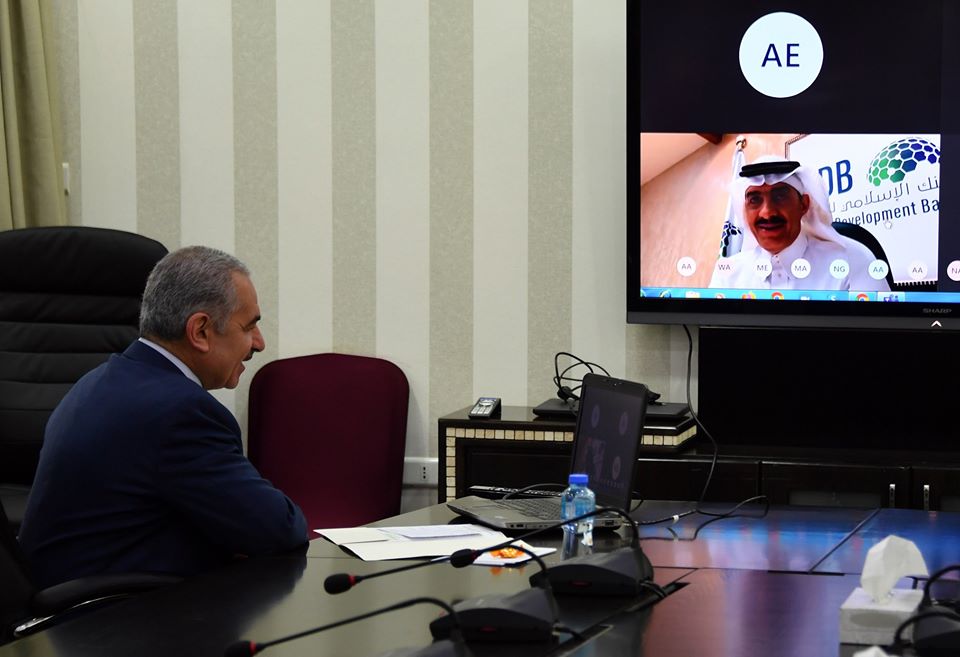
[865, 622]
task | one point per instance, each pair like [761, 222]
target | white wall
[436, 182]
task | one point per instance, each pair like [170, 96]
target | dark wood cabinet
[515, 465]
[519, 449]
[683, 477]
[935, 488]
[515, 449]
[834, 484]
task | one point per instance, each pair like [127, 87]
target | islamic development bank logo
[901, 157]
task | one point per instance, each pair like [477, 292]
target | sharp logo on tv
[938, 311]
[781, 55]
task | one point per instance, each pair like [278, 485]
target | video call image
[610, 436]
[775, 161]
[791, 216]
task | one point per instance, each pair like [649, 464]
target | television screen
[784, 166]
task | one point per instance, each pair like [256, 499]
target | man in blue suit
[142, 470]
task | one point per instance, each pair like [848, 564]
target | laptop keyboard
[497, 492]
[544, 509]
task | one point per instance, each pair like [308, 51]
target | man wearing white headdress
[791, 242]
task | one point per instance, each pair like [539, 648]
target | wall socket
[419, 471]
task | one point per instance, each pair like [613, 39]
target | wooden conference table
[765, 586]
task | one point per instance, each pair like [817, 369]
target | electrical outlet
[419, 471]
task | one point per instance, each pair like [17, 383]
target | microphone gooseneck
[927, 601]
[623, 571]
[340, 582]
[467, 557]
[247, 648]
[528, 615]
[241, 649]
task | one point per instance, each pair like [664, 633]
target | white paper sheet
[353, 535]
[381, 543]
[435, 531]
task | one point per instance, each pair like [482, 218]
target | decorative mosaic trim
[453, 433]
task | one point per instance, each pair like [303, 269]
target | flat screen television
[847, 105]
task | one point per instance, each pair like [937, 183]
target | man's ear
[805, 202]
[199, 329]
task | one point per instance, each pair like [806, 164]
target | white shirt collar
[187, 372]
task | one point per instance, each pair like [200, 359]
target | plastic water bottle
[576, 500]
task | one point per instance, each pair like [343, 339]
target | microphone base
[937, 636]
[617, 573]
[527, 616]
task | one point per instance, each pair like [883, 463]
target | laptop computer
[605, 445]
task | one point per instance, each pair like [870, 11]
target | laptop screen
[609, 427]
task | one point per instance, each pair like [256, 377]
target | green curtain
[31, 191]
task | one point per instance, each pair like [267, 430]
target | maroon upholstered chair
[329, 430]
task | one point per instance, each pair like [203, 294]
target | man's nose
[259, 344]
[767, 209]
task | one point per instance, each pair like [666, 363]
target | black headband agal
[763, 168]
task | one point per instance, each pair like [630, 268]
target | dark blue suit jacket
[143, 470]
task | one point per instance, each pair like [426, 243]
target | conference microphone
[340, 582]
[530, 615]
[936, 630]
[625, 571]
[621, 572]
[936, 633]
[449, 648]
[527, 616]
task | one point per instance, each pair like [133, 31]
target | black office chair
[24, 609]
[865, 237]
[69, 297]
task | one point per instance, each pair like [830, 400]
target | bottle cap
[579, 479]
